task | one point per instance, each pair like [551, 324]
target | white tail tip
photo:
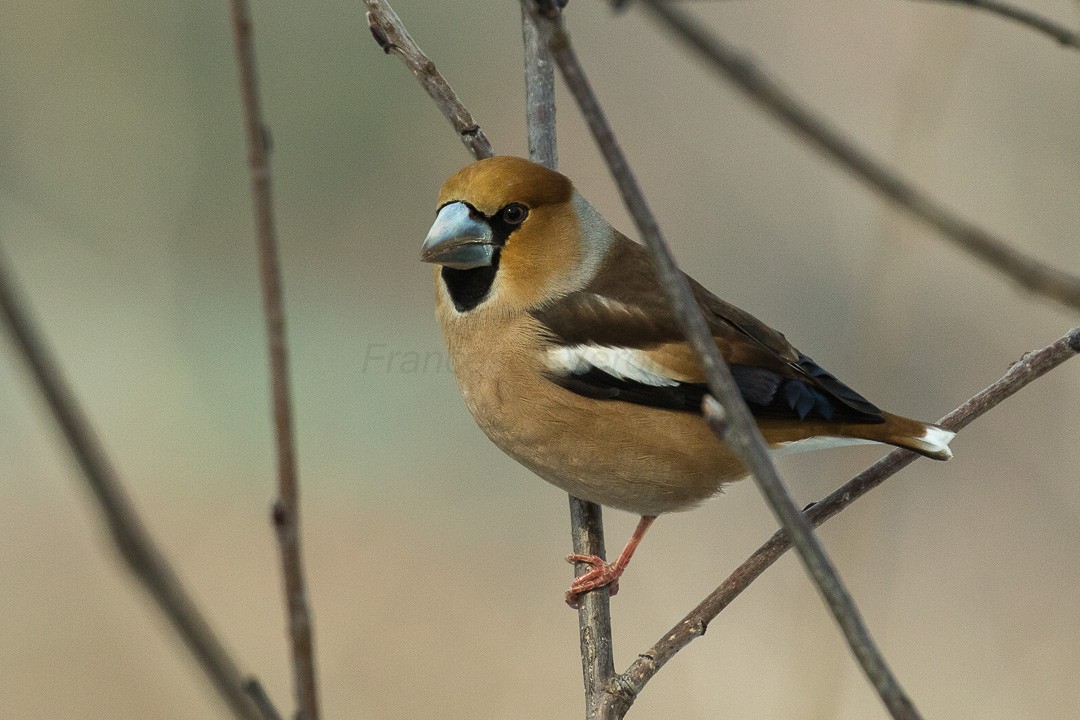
[935, 442]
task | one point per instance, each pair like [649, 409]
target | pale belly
[635, 458]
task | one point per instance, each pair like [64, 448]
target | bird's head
[512, 233]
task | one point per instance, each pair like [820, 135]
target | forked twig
[620, 695]
[133, 541]
[1031, 274]
[286, 511]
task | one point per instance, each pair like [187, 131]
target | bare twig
[286, 510]
[737, 428]
[594, 608]
[133, 541]
[586, 520]
[1031, 274]
[1063, 35]
[388, 30]
[1031, 367]
[539, 95]
[1058, 32]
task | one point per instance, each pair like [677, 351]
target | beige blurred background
[435, 562]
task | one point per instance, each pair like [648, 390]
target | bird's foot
[602, 574]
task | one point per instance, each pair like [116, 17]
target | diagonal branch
[1055, 30]
[620, 695]
[1031, 274]
[1060, 33]
[586, 520]
[286, 512]
[388, 30]
[731, 420]
[133, 541]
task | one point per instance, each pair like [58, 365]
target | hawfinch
[571, 361]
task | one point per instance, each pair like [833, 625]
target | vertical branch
[133, 541]
[586, 520]
[725, 410]
[286, 512]
[594, 608]
[539, 95]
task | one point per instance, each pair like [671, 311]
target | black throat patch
[469, 288]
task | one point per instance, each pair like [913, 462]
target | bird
[570, 359]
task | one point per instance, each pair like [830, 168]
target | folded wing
[617, 339]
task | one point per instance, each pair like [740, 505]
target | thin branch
[1031, 274]
[1031, 367]
[133, 541]
[1062, 34]
[286, 510]
[388, 30]
[586, 520]
[737, 427]
[539, 95]
[594, 608]
[1058, 32]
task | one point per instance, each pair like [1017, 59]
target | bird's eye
[514, 214]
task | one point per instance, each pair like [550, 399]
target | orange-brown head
[511, 232]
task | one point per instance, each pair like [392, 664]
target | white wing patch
[610, 305]
[623, 363]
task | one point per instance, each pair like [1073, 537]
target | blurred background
[435, 563]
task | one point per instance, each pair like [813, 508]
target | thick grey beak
[457, 240]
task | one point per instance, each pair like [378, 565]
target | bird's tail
[788, 436]
[923, 438]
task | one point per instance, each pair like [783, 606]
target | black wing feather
[767, 394]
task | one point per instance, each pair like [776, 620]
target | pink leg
[605, 574]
